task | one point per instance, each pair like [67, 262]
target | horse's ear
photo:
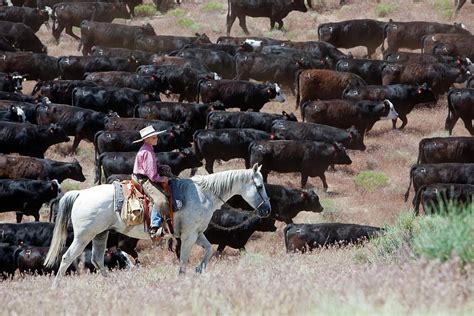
[259, 168]
[255, 168]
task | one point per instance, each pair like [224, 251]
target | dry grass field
[265, 279]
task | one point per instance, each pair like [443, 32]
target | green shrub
[178, 12]
[291, 35]
[145, 10]
[371, 180]
[185, 22]
[444, 7]
[442, 236]
[385, 9]
[69, 185]
[212, 6]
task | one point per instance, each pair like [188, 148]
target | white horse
[92, 214]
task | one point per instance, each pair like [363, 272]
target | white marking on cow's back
[49, 10]
[254, 43]
[20, 113]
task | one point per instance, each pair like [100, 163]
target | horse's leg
[99, 243]
[77, 247]
[187, 243]
[204, 243]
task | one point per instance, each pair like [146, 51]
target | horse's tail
[60, 229]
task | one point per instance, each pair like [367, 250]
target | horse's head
[255, 195]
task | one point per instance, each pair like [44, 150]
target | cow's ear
[284, 113]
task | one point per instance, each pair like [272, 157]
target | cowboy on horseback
[155, 186]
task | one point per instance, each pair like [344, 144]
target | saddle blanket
[176, 194]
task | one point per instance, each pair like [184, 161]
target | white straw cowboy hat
[148, 132]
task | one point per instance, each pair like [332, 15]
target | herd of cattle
[110, 93]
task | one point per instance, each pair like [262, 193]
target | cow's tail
[200, 81]
[420, 146]
[285, 231]
[310, 4]
[37, 88]
[208, 116]
[98, 169]
[450, 109]
[297, 85]
[60, 228]
[319, 32]
[411, 180]
[135, 110]
[417, 199]
[197, 148]
[302, 108]
[228, 11]
[96, 148]
[53, 17]
[385, 27]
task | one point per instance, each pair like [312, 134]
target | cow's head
[57, 134]
[216, 106]
[75, 171]
[339, 155]
[20, 114]
[55, 187]
[310, 201]
[120, 11]
[148, 29]
[327, 33]
[289, 116]
[274, 92]
[441, 49]
[202, 38]
[17, 81]
[355, 139]
[389, 112]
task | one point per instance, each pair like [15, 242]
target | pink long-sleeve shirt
[145, 164]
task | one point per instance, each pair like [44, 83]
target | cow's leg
[209, 165]
[77, 247]
[370, 51]
[193, 171]
[272, 24]
[304, 179]
[243, 24]
[99, 243]
[247, 163]
[57, 32]
[451, 121]
[468, 125]
[37, 216]
[75, 144]
[280, 25]
[70, 33]
[394, 123]
[230, 21]
[404, 120]
[204, 243]
[370, 126]
[187, 243]
[325, 184]
[19, 217]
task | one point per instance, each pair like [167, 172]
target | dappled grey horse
[92, 214]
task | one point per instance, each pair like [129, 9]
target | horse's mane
[220, 182]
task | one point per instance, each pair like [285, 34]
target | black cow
[21, 36]
[10, 82]
[74, 67]
[7, 260]
[238, 93]
[148, 84]
[286, 202]
[429, 41]
[26, 196]
[404, 97]
[111, 35]
[306, 237]
[29, 140]
[312, 58]
[408, 57]
[165, 60]
[13, 114]
[457, 48]
[122, 141]
[193, 114]
[439, 76]
[309, 158]
[352, 33]
[439, 196]
[167, 43]
[135, 124]
[16, 167]
[32, 17]
[276, 10]
[346, 113]
[424, 174]
[410, 34]
[59, 91]
[122, 163]
[233, 227]
[35, 66]
[6, 45]
[141, 57]
[350, 138]
[182, 81]
[275, 68]
[446, 149]
[105, 99]
[215, 60]
[460, 105]
[226, 144]
[323, 51]
[19, 111]
[13, 96]
[367, 69]
[256, 120]
[78, 122]
[470, 82]
[68, 15]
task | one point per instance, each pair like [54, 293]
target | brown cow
[314, 84]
